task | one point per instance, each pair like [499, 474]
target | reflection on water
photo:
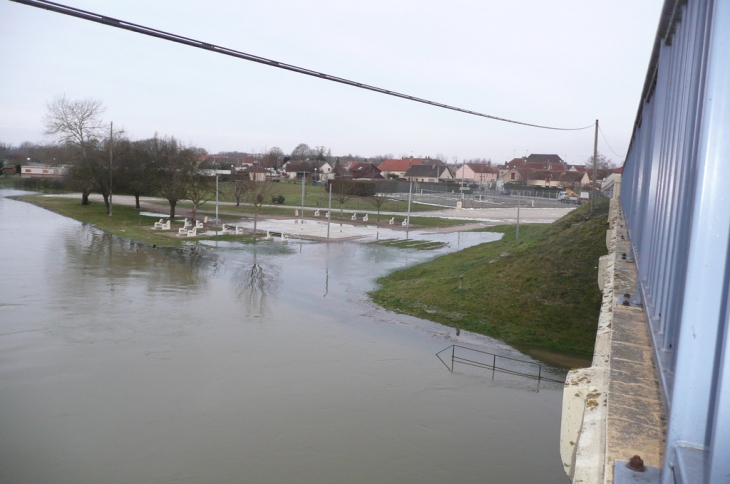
[256, 284]
[121, 363]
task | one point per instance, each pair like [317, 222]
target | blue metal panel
[676, 200]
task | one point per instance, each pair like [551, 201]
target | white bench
[327, 215]
[354, 216]
[392, 221]
[271, 234]
[199, 224]
[365, 218]
[182, 231]
[316, 214]
[162, 225]
[405, 222]
[232, 229]
[193, 232]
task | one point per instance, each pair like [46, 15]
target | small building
[428, 173]
[364, 171]
[397, 168]
[477, 172]
[42, 171]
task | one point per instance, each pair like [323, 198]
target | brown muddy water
[242, 364]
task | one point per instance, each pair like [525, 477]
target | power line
[609, 146]
[140, 29]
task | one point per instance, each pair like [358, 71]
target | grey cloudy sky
[559, 63]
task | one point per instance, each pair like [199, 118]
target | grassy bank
[539, 292]
[125, 222]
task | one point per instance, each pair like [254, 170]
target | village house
[477, 172]
[544, 170]
[364, 171]
[428, 173]
[397, 168]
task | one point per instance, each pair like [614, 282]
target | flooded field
[262, 363]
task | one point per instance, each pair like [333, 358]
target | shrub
[277, 199]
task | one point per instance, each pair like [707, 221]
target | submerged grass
[411, 244]
[538, 292]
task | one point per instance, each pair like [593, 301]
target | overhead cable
[609, 146]
[140, 29]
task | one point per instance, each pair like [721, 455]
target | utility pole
[517, 231]
[595, 161]
[329, 214]
[408, 217]
[111, 159]
[304, 180]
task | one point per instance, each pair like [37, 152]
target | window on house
[513, 176]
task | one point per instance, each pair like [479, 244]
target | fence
[491, 361]
[677, 208]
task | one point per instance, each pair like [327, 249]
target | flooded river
[242, 364]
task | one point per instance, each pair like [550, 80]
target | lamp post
[216, 193]
[111, 160]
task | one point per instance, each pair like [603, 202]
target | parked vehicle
[569, 196]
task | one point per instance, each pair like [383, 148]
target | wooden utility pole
[595, 161]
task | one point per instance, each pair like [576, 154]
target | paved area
[316, 228]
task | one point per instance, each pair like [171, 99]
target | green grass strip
[536, 292]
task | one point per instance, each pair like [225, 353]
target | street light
[216, 193]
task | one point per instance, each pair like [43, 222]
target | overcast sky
[561, 63]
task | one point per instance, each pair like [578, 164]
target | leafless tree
[301, 152]
[200, 190]
[343, 190]
[77, 125]
[137, 171]
[255, 193]
[240, 185]
[272, 158]
[72, 122]
[378, 202]
[174, 165]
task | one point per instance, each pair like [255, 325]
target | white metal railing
[676, 199]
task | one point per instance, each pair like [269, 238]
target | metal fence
[490, 361]
[676, 203]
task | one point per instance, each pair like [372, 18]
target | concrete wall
[614, 410]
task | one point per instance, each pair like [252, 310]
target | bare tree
[273, 158]
[257, 190]
[174, 165]
[343, 190]
[77, 125]
[378, 202]
[74, 122]
[301, 152]
[137, 169]
[200, 190]
[240, 185]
